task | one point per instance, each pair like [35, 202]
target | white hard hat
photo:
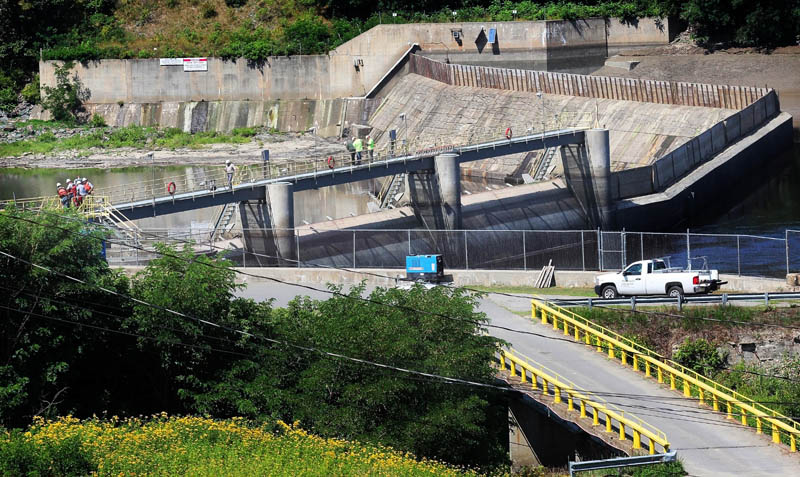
[228, 161]
[84, 180]
[69, 181]
[58, 184]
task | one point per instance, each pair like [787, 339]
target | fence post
[599, 249]
[409, 241]
[466, 252]
[786, 241]
[641, 244]
[583, 254]
[738, 258]
[297, 244]
[688, 252]
[524, 253]
[624, 247]
[354, 249]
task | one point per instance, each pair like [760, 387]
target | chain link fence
[593, 250]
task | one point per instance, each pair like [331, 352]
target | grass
[136, 137]
[566, 291]
[167, 446]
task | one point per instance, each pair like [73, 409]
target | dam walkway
[160, 197]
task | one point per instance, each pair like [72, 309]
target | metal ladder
[544, 164]
[223, 220]
[390, 192]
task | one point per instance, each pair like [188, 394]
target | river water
[766, 206]
[310, 206]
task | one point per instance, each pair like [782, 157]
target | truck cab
[655, 277]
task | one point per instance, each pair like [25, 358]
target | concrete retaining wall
[626, 89]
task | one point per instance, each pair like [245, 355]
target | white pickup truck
[655, 277]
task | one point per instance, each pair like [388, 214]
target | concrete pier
[449, 179]
[280, 199]
[599, 155]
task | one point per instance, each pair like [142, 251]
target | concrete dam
[669, 152]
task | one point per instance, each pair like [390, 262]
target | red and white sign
[195, 64]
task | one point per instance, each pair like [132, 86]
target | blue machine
[424, 267]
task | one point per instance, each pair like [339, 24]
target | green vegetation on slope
[138, 137]
[85, 30]
[170, 446]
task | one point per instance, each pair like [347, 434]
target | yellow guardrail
[562, 389]
[692, 383]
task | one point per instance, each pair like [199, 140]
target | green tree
[65, 99]
[699, 355]
[40, 355]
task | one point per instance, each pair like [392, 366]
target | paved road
[707, 443]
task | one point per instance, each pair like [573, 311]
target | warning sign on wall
[195, 64]
[170, 61]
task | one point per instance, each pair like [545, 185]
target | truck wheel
[675, 292]
[609, 292]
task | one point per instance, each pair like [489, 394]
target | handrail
[607, 340]
[527, 368]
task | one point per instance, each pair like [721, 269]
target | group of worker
[74, 192]
[356, 147]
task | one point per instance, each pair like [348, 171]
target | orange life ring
[508, 133]
[331, 162]
[171, 188]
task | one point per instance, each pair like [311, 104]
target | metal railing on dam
[693, 385]
[748, 255]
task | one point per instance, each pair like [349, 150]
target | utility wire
[369, 300]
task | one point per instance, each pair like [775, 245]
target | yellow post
[544, 317]
[624, 358]
[577, 334]
[521, 374]
[555, 322]
[637, 439]
[635, 362]
[608, 423]
[647, 368]
[716, 403]
[556, 394]
[583, 408]
[702, 395]
[672, 381]
[792, 443]
[595, 417]
[502, 361]
[687, 388]
[758, 425]
[544, 386]
[660, 373]
[513, 369]
[599, 344]
[776, 436]
[730, 410]
[652, 447]
[533, 310]
[533, 380]
[587, 338]
[621, 431]
[566, 326]
[570, 403]
[610, 350]
[744, 417]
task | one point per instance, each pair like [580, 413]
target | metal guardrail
[589, 465]
[722, 299]
[693, 384]
[613, 417]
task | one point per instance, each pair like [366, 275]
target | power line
[369, 300]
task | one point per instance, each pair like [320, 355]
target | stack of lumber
[545, 278]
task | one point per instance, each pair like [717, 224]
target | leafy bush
[700, 356]
[31, 92]
[97, 121]
[244, 132]
[65, 100]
